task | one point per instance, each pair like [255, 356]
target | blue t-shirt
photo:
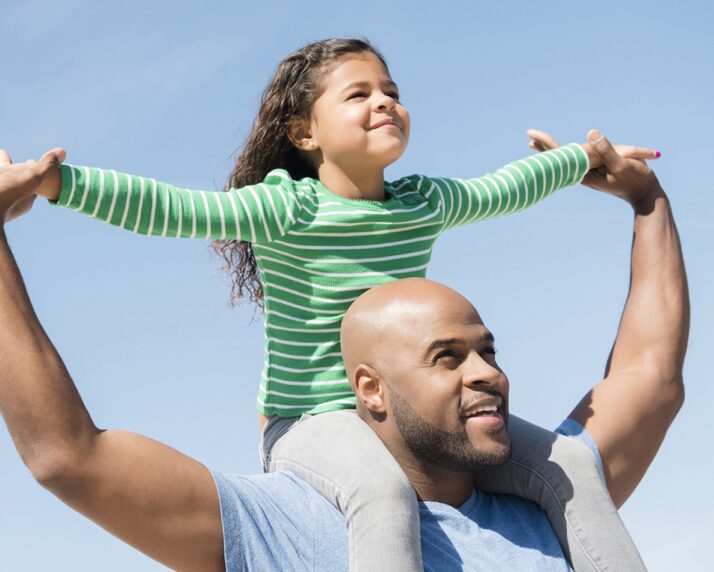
[279, 522]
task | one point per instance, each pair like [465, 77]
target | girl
[307, 224]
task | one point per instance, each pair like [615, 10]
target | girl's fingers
[538, 146]
[5, 158]
[545, 139]
[633, 152]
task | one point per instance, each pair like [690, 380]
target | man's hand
[19, 183]
[601, 174]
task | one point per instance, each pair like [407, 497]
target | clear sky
[169, 90]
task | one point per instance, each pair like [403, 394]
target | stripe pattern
[318, 251]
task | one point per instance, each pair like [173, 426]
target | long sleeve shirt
[318, 251]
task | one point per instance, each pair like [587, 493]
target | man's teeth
[484, 409]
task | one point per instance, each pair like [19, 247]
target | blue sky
[169, 90]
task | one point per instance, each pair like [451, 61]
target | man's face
[446, 393]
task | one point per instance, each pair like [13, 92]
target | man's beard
[448, 449]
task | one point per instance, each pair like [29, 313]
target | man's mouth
[486, 412]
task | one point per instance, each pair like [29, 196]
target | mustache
[493, 393]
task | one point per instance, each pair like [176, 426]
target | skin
[627, 413]
[151, 496]
[445, 363]
[357, 128]
[165, 504]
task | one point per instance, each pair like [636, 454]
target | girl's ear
[369, 388]
[300, 134]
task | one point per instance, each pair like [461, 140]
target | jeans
[344, 460]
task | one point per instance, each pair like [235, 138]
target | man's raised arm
[151, 496]
[629, 412]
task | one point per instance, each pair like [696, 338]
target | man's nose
[477, 371]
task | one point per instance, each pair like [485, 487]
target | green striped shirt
[318, 251]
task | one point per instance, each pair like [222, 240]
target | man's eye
[444, 354]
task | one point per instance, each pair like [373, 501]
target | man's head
[423, 367]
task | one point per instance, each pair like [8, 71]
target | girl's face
[358, 121]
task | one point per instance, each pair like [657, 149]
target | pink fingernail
[657, 154]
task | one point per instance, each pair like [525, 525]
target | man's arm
[156, 499]
[629, 412]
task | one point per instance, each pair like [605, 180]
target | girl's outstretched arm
[256, 213]
[520, 184]
[512, 188]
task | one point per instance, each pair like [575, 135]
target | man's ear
[300, 134]
[369, 388]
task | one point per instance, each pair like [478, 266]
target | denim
[344, 460]
[278, 522]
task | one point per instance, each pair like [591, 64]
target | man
[439, 405]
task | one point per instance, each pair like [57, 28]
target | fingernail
[657, 154]
[595, 136]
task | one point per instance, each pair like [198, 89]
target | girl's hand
[19, 183]
[542, 141]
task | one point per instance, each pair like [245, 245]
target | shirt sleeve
[513, 188]
[279, 522]
[256, 213]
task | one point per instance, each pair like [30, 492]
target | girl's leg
[563, 477]
[343, 459]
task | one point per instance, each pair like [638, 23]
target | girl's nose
[385, 101]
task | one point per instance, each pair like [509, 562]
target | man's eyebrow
[446, 342]
[388, 83]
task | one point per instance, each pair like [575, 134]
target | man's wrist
[646, 203]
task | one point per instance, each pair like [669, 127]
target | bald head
[419, 358]
[396, 314]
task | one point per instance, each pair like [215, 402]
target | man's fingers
[604, 148]
[51, 160]
[59, 152]
[20, 208]
[5, 157]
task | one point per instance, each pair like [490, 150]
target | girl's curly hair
[290, 95]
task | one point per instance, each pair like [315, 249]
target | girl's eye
[357, 94]
[393, 94]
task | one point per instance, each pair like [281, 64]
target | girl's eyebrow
[364, 83]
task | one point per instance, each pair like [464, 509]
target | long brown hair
[296, 85]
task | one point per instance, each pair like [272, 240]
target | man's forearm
[38, 400]
[654, 329]
[629, 412]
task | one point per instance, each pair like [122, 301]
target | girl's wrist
[51, 186]
[593, 156]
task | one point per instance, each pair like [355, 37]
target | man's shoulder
[282, 491]
[279, 522]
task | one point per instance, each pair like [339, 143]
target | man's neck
[437, 484]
